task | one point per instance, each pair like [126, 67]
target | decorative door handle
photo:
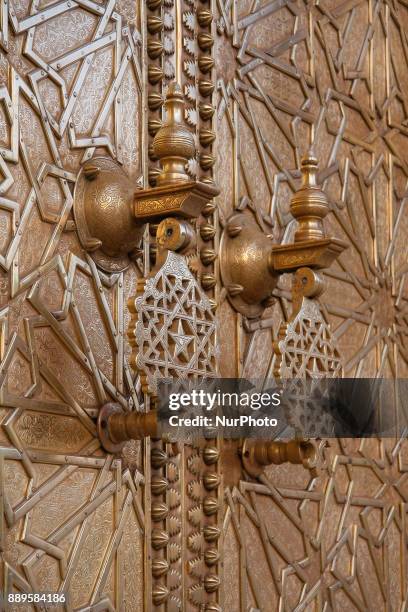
[257, 454]
[251, 264]
[110, 210]
[116, 427]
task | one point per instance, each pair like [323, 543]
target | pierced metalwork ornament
[173, 329]
[305, 348]
[49, 133]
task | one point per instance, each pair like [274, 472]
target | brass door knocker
[251, 264]
[110, 210]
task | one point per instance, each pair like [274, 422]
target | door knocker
[111, 211]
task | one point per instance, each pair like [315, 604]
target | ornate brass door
[330, 76]
[73, 517]
[177, 527]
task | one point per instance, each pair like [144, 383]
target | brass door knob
[116, 427]
[257, 454]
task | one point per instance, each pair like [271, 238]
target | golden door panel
[331, 77]
[73, 516]
[167, 526]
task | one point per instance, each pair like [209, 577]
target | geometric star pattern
[341, 525]
[181, 343]
[71, 517]
[289, 75]
[173, 328]
[331, 75]
[305, 348]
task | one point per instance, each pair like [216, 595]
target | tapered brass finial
[173, 144]
[309, 204]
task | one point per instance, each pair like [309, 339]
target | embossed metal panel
[166, 526]
[331, 76]
[71, 88]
